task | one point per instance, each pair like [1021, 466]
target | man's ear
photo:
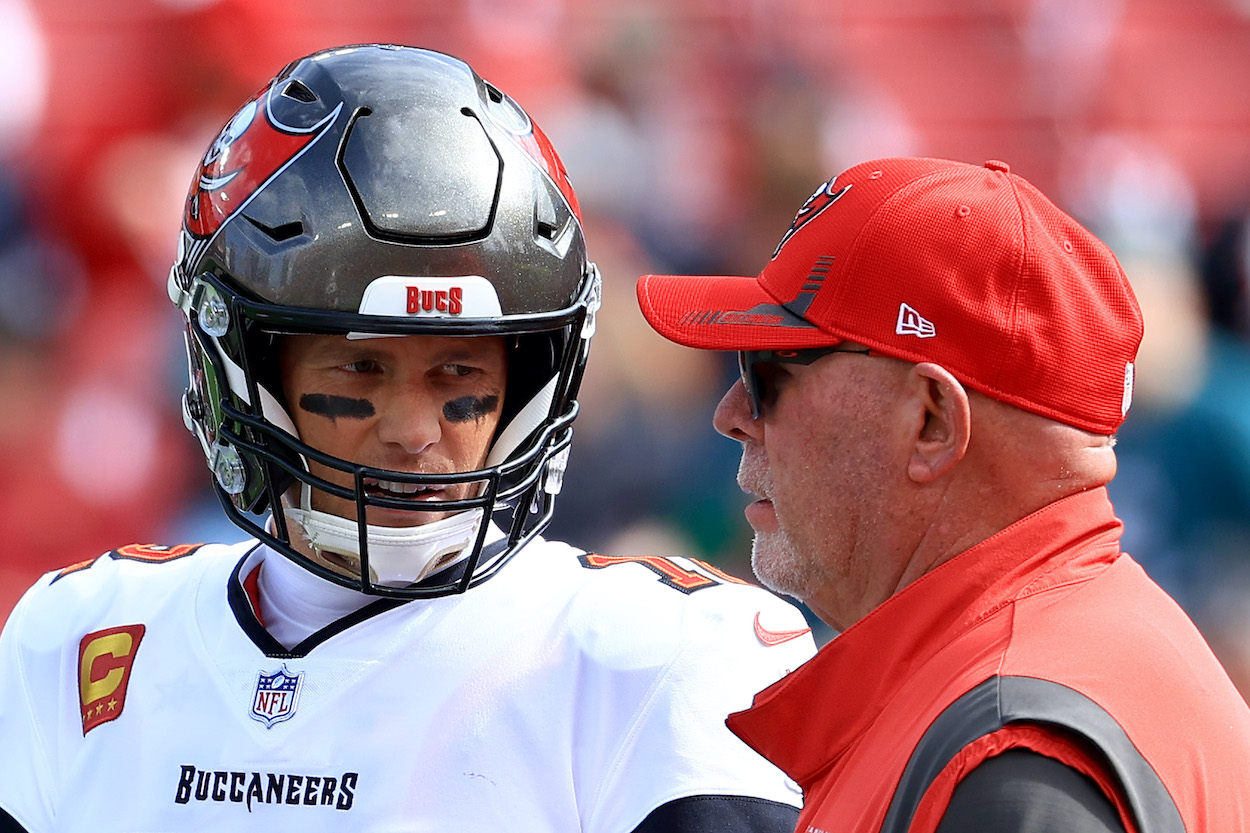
[943, 433]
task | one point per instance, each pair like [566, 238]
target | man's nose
[409, 418]
[733, 414]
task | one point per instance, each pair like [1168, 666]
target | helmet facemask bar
[528, 494]
[268, 457]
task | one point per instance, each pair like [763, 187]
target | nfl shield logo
[276, 696]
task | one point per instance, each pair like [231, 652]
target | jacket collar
[807, 720]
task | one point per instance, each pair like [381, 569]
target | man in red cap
[934, 363]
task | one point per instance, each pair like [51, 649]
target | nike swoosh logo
[771, 638]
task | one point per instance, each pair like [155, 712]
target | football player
[388, 309]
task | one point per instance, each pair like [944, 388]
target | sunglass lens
[750, 379]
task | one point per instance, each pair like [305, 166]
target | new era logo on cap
[912, 323]
[1033, 309]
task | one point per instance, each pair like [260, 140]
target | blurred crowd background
[692, 130]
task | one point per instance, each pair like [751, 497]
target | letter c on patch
[112, 647]
[104, 661]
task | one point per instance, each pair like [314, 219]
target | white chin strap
[398, 556]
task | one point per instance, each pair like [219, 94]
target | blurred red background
[692, 130]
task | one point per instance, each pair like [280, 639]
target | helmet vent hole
[496, 95]
[281, 233]
[299, 91]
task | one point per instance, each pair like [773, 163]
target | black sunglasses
[753, 381]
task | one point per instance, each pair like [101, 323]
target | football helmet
[371, 191]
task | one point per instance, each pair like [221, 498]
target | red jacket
[1044, 636]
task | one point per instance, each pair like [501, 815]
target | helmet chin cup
[382, 190]
[395, 556]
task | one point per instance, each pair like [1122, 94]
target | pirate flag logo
[825, 196]
[262, 139]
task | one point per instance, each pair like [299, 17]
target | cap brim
[723, 313]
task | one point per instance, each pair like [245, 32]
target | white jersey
[570, 692]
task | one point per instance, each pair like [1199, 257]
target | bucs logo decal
[825, 196]
[249, 152]
[526, 134]
[539, 148]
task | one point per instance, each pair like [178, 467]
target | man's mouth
[410, 491]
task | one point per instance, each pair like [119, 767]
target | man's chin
[777, 565]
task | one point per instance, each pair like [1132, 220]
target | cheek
[808, 486]
[322, 415]
[332, 427]
[334, 407]
[472, 408]
[828, 474]
[800, 473]
[469, 427]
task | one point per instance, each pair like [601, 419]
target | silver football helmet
[383, 190]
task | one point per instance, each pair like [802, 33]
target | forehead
[416, 349]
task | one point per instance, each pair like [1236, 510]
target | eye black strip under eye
[333, 407]
[470, 407]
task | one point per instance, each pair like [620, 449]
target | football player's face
[420, 404]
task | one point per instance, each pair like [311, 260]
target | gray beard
[779, 566]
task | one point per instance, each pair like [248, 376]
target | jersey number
[670, 572]
[135, 552]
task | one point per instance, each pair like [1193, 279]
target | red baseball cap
[929, 260]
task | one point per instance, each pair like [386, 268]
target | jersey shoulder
[677, 582]
[668, 604]
[132, 580]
